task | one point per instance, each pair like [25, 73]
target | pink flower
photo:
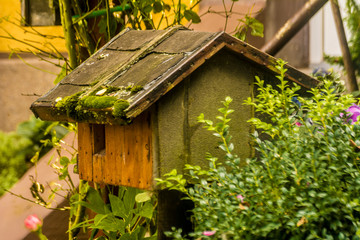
[33, 223]
[241, 197]
[298, 124]
[354, 112]
[209, 233]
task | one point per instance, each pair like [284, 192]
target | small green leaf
[143, 197]
[109, 223]
[95, 202]
[64, 161]
[192, 16]
[257, 29]
[146, 210]
[117, 206]
[129, 198]
[157, 6]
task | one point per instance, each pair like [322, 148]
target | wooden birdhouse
[137, 100]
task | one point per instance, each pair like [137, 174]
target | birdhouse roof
[136, 68]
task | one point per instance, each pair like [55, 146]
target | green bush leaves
[304, 184]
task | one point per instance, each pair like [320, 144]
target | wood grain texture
[128, 154]
[114, 154]
[91, 139]
[98, 167]
[85, 151]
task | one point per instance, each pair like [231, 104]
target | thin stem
[32, 201]
[179, 12]
[65, 10]
[30, 65]
[226, 15]
[80, 212]
[108, 20]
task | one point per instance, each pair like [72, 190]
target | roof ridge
[147, 48]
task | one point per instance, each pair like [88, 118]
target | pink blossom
[209, 233]
[33, 223]
[298, 124]
[241, 197]
[354, 112]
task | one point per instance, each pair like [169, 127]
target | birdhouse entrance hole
[115, 154]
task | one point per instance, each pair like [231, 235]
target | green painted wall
[181, 139]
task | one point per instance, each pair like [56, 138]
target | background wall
[21, 84]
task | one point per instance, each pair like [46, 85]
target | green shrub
[12, 159]
[305, 183]
[31, 140]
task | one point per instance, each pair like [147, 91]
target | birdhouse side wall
[181, 138]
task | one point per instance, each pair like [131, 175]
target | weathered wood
[115, 137]
[351, 83]
[143, 51]
[176, 43]
[85, 152]
[292, 26]
[133, 41]
[157, 61]
[128, 159]
[152, 66]
[170, 79]
[91, 140]
[276, 14]
[98, 167]
[268, 63]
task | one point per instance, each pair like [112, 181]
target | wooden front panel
[114, 161]
[117, 155]
[128, 159]
[85, 152]
[91, 141]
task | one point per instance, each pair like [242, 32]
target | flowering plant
[34, 224]
[353, 113]
[304, 184]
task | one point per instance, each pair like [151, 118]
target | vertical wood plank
[130, 174]
[147, 158]
[128, 159]
[91, 140]
[98, 167]
[114, 154]
[98, 151]
[85, 152]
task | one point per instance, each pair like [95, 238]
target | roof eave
[220, 41]
[144, 99]
[47, 112]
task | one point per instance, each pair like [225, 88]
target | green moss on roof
[69, 104]
[136, 88]
[119, 108]
[97, 102]
[92, 107]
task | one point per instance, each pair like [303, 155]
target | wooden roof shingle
[137, 68]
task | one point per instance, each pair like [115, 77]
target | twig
[32, 201]
[30, 94]
[30, 65]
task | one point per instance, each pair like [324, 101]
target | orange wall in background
[10, 10]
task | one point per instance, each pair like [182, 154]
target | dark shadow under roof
[141, 66]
